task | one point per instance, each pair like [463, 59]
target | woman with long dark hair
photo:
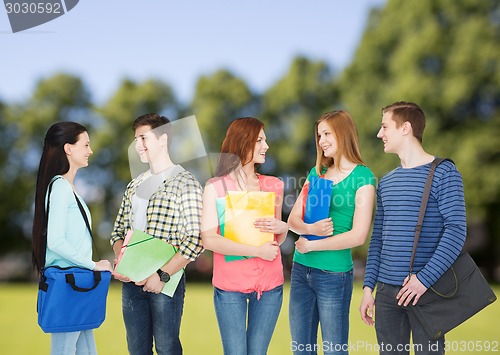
[248, 292]
[67, 241]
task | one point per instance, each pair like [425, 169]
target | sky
[105, 41]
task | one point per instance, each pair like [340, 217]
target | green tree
[13, 197]
[130, 100]
[445, 56]
[110, 170]
[291, 107]
[22, 130]
[220, 98]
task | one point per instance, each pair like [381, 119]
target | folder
[142, 255]
[220, 204]
[241, 209]
[317, 204]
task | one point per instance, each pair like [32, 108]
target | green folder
[142, 255]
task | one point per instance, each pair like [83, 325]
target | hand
[322, 228]
[152, 284]
[117, 276]
[103, 265]
[268, 251]
[367, 306]
[121, 277]
[412, 289]
[271, 225]
[303, 245]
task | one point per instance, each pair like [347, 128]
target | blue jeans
[151, 316]
[73, 343]
[394, 323]
[238, 337]
[318, 296]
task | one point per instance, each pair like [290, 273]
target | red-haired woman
[248, 293]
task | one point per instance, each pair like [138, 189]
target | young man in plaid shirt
[165, 202]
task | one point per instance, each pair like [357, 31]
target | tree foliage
[220, 98]
[443, 55]
[290, 108]
[130, 100]
[57, 98]
[110, 170]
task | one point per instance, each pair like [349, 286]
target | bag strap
[423, 207]
[79, 206]
[84, 215]
[70, 279]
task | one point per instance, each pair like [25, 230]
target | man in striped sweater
[443, 234]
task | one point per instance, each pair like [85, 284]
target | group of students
[169, 203]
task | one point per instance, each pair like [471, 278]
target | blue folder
[318, 201]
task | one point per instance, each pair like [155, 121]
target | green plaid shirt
[173, 213]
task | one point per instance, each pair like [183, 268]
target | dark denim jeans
[247, 336]
[151, 316]
[394, 324]
[319, 297]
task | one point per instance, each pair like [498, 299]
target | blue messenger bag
[458, 294]
[72, 298]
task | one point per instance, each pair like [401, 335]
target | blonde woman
[322, 271]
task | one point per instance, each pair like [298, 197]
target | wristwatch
[164, 276]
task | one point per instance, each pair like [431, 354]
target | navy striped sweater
[443, 233]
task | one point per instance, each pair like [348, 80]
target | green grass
[20, 334]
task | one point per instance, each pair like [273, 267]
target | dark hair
[238, 145]
[159, 125]
[53, 162]
[403, 111]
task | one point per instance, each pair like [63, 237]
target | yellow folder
[142, 254]
[242, 209]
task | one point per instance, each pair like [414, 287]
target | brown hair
[403, 111]
[159, 125]
[238, 145]
[346, 135]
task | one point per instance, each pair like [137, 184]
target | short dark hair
[403, 111]
[159, 124]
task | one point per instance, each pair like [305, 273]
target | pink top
[252, 274]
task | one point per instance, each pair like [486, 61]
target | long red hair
[238, 145]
